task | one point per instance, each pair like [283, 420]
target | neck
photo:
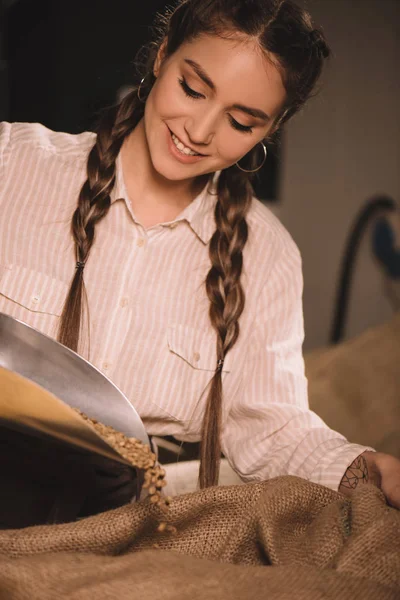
[153, 198]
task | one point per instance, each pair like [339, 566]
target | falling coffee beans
[140, 456]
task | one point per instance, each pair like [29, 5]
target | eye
[239, 126]
[190, 93]
[188, 90]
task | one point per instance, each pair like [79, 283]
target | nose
[201, 128]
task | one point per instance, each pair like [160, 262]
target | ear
[160, 58]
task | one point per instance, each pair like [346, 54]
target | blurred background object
[4, 108]
[67, 59]
[383, 213]
[355, 386]
[342, 150]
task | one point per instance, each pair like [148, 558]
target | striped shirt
[150, 331]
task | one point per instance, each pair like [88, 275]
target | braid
[227, 300]
[93, 205]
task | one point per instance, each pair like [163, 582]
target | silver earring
[258, 168]
[139, 89]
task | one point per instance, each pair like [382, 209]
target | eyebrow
[253, 112]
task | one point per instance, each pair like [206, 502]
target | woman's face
[213, 101]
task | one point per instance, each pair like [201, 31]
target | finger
[393, 495]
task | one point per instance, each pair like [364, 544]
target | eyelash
[196, 96]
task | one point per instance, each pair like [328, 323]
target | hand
[382, 470]
[388, 468]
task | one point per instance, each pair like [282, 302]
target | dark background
[63, 61]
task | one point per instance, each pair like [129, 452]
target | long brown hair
[284, 31]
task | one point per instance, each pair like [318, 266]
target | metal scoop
[67, 379]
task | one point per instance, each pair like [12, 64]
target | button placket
[119, 316]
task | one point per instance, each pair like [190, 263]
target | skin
[159, 186]
[382, 470]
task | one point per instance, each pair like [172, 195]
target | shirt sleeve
[270, 430]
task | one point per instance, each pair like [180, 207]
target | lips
[186, 145]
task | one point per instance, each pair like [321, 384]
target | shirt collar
[199, 214]
[202, 219]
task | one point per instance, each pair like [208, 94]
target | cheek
[165, 99]
[233, 145]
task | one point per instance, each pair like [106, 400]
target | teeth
[182, 148]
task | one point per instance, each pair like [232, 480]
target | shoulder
[37, 137]
[268, 236]
[273, 263]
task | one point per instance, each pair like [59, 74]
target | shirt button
[140, 242]
[35, 299]
[196, 357]
[124, 302]
[106, 366]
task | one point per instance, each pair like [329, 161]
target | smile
[182, 148]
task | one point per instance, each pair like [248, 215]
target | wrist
[374, 474]
[364, 469]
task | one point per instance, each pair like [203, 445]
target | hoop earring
[139, 89]
[258, 168]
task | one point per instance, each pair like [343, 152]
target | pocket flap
[35, 291]
[195, 346]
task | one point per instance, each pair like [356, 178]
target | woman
[186, 291]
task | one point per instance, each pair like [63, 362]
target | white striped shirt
[150, 331]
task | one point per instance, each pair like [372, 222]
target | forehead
[240, 70]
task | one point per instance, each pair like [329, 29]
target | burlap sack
[282, 539]
[355, 387]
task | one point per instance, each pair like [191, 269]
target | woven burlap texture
[282, 539]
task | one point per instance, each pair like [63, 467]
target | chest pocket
[194, 346]
[37, 292]
[189, 370]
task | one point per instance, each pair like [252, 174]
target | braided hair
[285, 32]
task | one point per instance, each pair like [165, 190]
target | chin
[170, 173]
[166, 169]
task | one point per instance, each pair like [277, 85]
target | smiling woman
[215, 99]
[194, 287]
